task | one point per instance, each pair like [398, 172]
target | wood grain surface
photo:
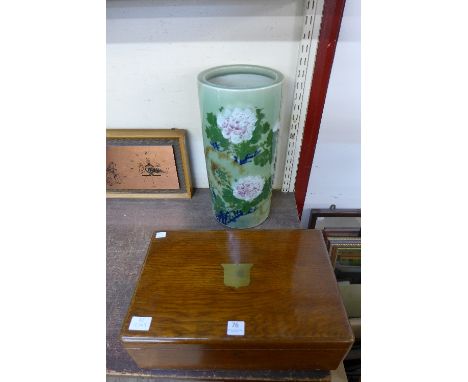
[291, 307]
[130, 223]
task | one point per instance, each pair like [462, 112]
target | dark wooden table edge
[206, 375]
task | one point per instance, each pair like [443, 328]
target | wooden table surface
[130, 223]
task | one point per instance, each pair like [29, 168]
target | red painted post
[328, 37]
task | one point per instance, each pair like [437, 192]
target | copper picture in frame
[147, 163]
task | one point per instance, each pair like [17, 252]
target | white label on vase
[160, 235]
[140, 323]
[235, 328]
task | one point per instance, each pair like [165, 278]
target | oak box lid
[278, 284]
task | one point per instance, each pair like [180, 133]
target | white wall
[155, 49]
[336, 170]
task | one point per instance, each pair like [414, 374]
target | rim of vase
[207, 75]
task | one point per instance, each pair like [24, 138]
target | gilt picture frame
[346, 260]
[147, 164]
[346, 248]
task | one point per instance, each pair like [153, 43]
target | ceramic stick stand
[240, 110]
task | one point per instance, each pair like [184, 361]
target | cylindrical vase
[240, 110]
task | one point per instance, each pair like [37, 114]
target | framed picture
[335, 235]
[147, 163]
[351, 295]
[346, 259]
[345, 253]
[341, 232]
[334, 218]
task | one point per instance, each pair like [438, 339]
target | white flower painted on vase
[277, 126]
[237, 124]
[248, 188]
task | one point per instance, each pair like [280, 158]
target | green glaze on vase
[240, 109]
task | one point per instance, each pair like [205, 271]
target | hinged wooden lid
[284, 292]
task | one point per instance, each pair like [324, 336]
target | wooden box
[250, 299]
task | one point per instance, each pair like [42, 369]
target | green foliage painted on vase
[239, 161]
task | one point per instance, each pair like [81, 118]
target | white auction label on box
[140, 323]
[160, 235]
[235, 328]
